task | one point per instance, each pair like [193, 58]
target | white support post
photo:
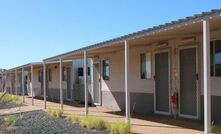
[85, 83]
[11, 82]
[127, 94]
[23, 85]
[44, 84]
[16, 82]
[206, 77]
[6, 82]
[32, 82]
[61, 88]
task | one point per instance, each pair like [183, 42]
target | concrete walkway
[140, 124]
[16, 110]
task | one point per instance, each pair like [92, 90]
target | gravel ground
[7, 105]
[39, 122]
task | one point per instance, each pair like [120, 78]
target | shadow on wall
[215, 109]
[74, 104]
[140, 103]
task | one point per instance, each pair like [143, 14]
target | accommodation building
[2, 80]
[170, 69]
[141, 72]
[21, 81]
[34, 83]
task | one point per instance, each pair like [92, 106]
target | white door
[96, 84]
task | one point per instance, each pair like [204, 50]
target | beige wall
[136, 84]
[116, 82]
[55, 83]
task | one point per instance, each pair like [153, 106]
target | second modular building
[72, 79]
[160, 62]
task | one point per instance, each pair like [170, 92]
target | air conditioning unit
[188, 39]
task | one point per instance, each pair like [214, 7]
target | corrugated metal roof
[156, 29]
[25, 65]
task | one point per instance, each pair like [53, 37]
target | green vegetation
[119, 128]
[10, 120]
[55, 112]
[75, 118]
[94, 123]
[10, 98]
[2, 95]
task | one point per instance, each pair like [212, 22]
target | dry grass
[10, 98]
[94, 123]
[55, 112]
[74, 118]
[217, 128]
[9, 120]
[119, 128]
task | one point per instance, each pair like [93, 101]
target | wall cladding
[54, 93]
[140, 103]
[215, 108]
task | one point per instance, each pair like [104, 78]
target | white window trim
[214, 65]
[151, 65]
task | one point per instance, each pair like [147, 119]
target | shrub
[55, 112]
[94, 123]
[11, 98]
[75, 118]
[9, 120]
[119, 128]
[51, 112]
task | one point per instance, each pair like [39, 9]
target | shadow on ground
[174, 123]
[69, 103]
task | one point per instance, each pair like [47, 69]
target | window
[80, 71]
[49, 75]
[215, 58]
[88, 71]
[106, 69]
[40, 76]
[145, 66]
[64, 74]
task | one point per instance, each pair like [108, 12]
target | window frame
[64, 73]
[40, 75]
[50, 75]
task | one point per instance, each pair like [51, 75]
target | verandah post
[32, 83]
[127, 95]
[61, 90]
[85, 83]
[23, 84]
[44, 84]
[16, 82]
[206, 77]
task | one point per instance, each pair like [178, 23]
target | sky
[32, 30]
